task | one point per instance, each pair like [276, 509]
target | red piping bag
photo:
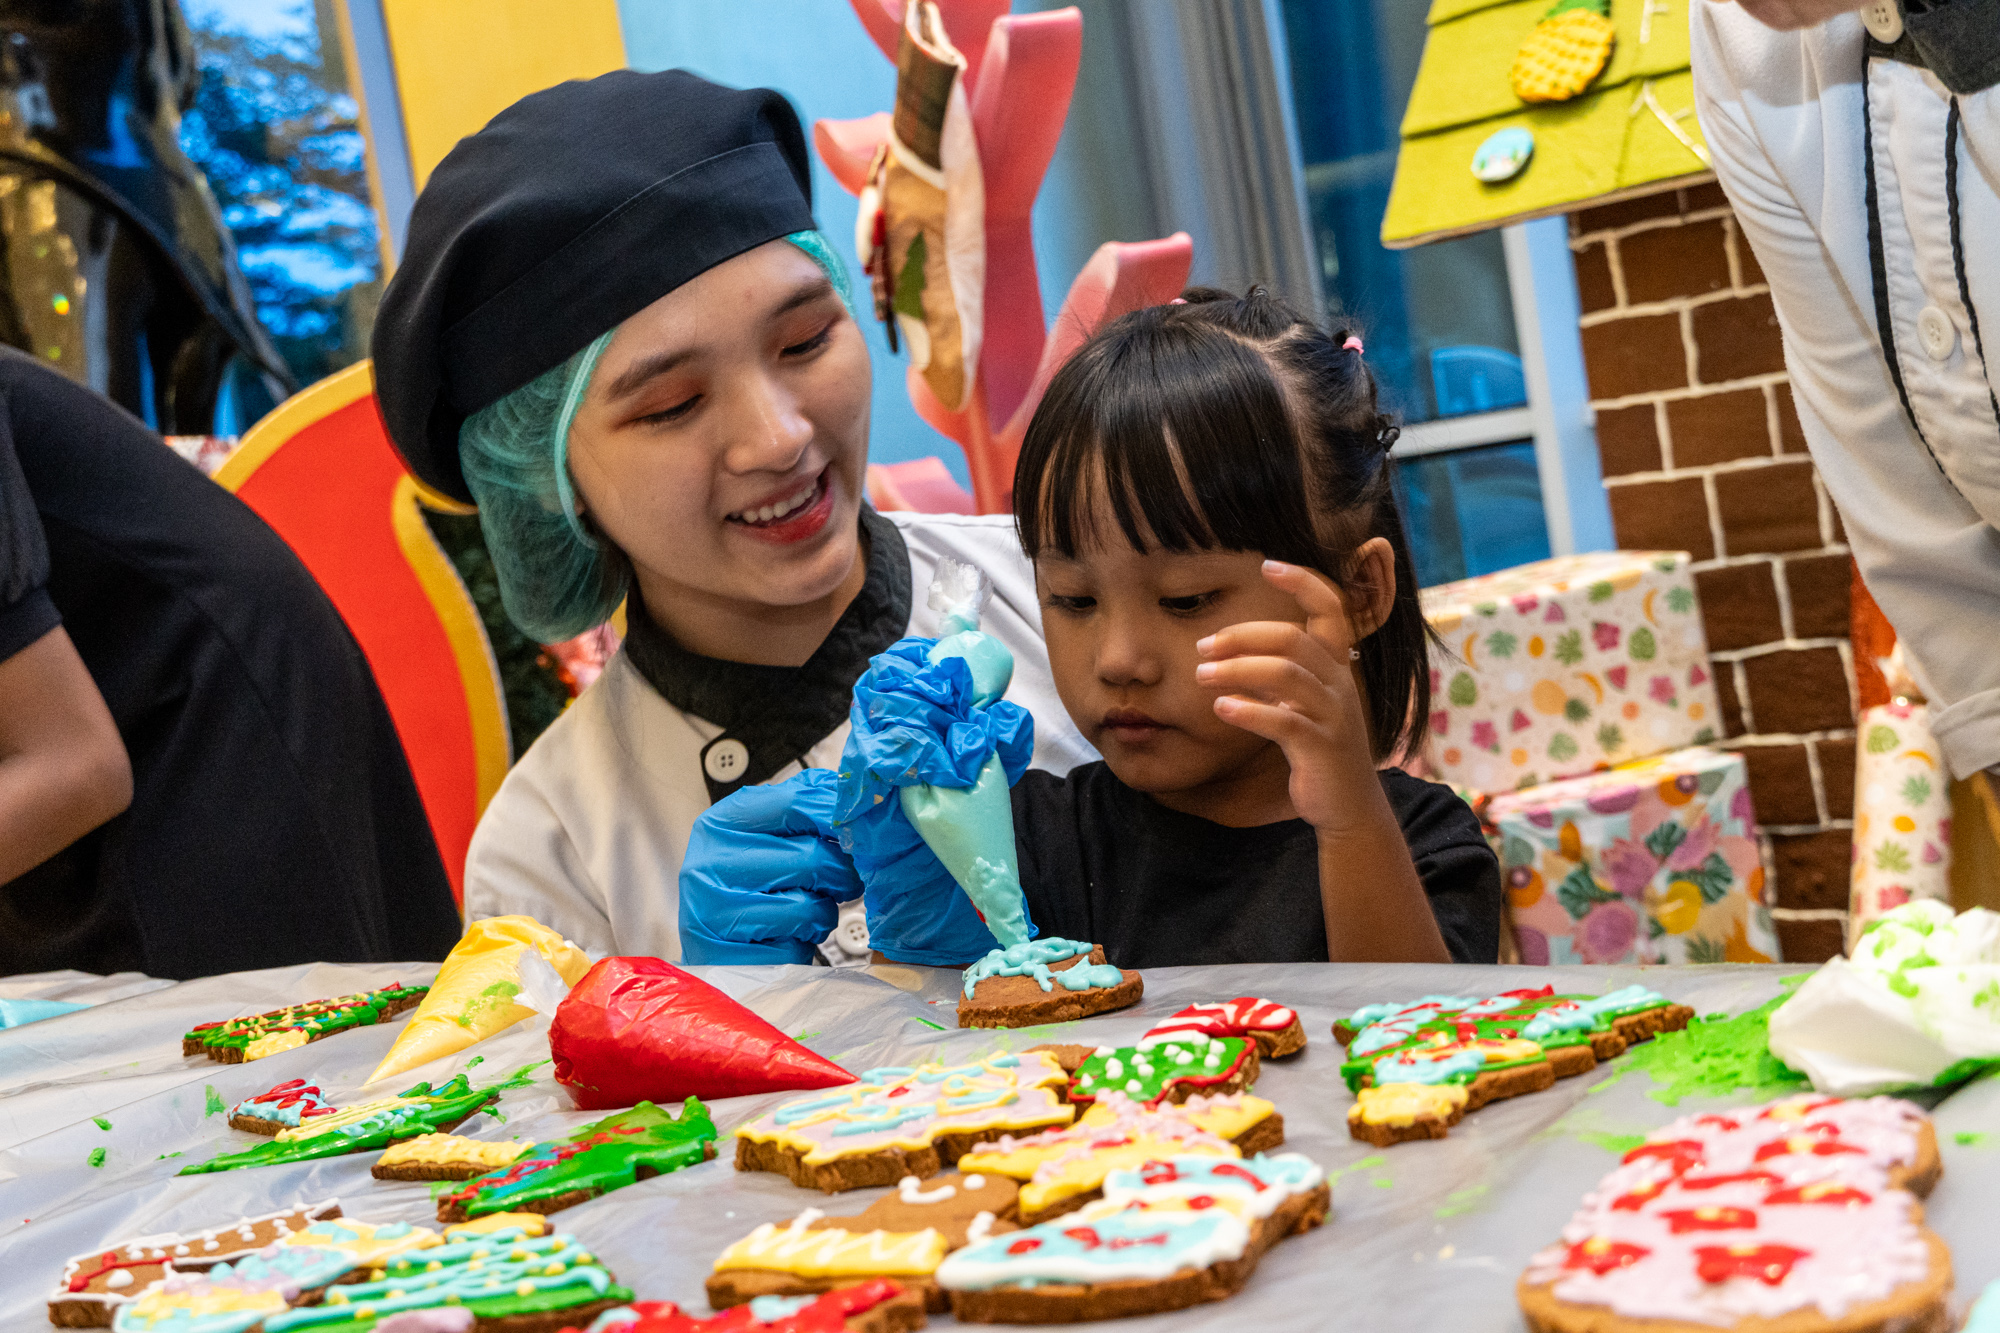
[640, 1029]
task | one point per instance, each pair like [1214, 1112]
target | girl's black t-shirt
[1157, 888]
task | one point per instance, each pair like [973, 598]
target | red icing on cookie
[1684, 1220]
[1770, 1264]
[828, 1314]
[1600, 1256]
[1828, 1192]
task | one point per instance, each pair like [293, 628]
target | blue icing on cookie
[1402, 1069]
[1135, 1243]
[1985, 1315]
[1032, 959]
[770, 1309]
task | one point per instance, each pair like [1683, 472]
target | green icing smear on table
[927, 1023]
[100, 1122]
[215, 1103]
[97, 1157]
[1968, 1138]
[1462, 1201]
[1605, 1139]
[1367, 1163]
[1717, 1056]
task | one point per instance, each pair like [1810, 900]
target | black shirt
[273, 818]
[1158, 888]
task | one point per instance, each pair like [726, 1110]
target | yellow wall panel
[461, 62]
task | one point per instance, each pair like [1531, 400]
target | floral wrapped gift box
[1565, 666]
[1651, 862]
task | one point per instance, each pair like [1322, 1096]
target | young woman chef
[616, 329]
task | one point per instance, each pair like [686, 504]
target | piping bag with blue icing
[931, 728]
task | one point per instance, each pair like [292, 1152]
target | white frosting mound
[1920, 995]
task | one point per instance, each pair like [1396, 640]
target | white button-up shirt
[1871, 196]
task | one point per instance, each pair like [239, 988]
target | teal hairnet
[557, 579]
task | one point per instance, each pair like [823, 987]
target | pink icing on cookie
[1753, 1213]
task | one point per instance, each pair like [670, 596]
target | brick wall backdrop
[1702, 453]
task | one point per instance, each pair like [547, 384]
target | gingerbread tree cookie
[610, 1154]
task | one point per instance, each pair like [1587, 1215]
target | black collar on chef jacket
[1957, 40]
[775, 713]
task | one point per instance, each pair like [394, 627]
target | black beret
[573, 209]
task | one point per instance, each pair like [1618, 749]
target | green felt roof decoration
[1629, 130]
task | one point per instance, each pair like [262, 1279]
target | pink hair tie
[1352, 344]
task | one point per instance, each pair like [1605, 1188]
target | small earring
[1354, 654]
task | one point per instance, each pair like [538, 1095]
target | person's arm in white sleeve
[523, 862]
[1929, 558]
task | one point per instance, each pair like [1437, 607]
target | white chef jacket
[1882, 319]
[586, 833]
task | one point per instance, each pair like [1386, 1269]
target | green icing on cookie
[1715, 1057]
[316, 1018]
[362, 1128]
[598, 1158]
[497, 1275]
[1146, 1073]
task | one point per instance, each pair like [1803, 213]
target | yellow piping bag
[474, 994]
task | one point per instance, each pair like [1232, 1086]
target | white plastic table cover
[1422, 1235]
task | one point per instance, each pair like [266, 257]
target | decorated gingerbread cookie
[444, 1157]
[610, 1154]
[878, 1306]
[1275, 1028]
[511, 1279]
[284, 1107]
[903, 1235]
[1168, 1069]
[1063, 1169]
[235, 1295]
[1044, 981]
[234, 1040]
[1798, 1215]
[1169, 1232]
[94, 1286]
[367, 1126]
[903, 1121]
[1516, 1042]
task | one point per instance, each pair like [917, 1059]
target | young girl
[1232, 620]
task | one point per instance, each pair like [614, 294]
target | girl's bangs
[1185, 430]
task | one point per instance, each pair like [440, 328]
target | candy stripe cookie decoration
[1274, 1027]
[1798, 1207]
[610, 1154]
[93, 1286]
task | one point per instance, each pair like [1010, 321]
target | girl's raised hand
[1294, 685]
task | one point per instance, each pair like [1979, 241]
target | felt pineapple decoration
[1566, 51]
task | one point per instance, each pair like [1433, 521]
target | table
[1423, 1235]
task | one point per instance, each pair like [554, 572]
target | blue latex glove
[764, 874]
[915, 722]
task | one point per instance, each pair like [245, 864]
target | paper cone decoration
[640, 1029]
[473, 996]
[1902, 815]
[921, 230]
